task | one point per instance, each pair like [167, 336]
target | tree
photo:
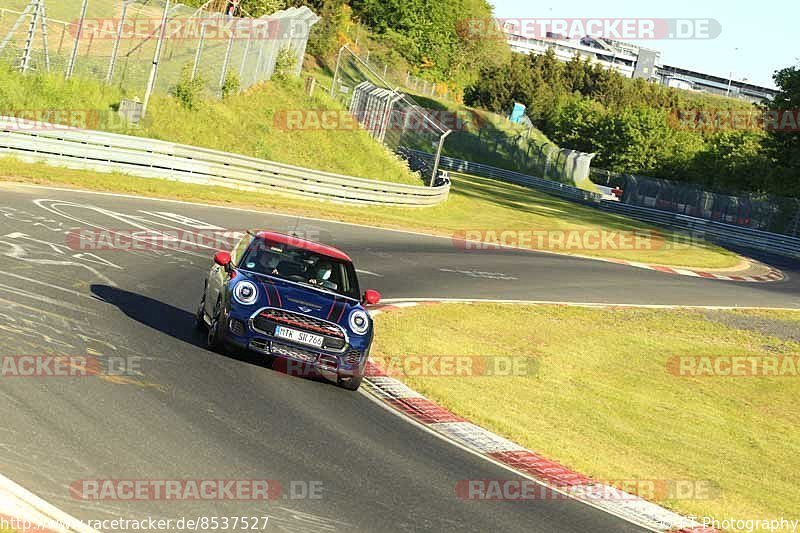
[783, 132]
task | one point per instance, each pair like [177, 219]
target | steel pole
[336, 72]
[199, 52]
[156, 57]
[228, 53]
[71, 64]
[439, 156]
[115, 50]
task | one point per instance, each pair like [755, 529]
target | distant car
[290, 299]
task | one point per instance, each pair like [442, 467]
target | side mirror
[372, 297]
[223, 259]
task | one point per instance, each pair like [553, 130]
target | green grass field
[474, 204]
[603, 402]
[249, 123]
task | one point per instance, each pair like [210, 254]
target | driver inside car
[322, 276]
[269, 263]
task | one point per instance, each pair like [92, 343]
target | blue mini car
[293, 300]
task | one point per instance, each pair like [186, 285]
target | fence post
[336, 72]
[26, 54]
[438, 156]
[156, 57]
[61, 40]
[199, 52]
[226, 63]
[82, 18]
[244, 62]
[260, 60]
[115, 50]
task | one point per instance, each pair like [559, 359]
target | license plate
[299, 336]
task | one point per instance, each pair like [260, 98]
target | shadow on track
[176, 323]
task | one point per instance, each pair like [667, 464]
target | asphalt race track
[182, 412]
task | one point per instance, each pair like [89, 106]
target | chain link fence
[391, 117]
[411, 83]
[152, 45]
[518, 152]
[775, 214]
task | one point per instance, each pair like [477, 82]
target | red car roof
[297, 242]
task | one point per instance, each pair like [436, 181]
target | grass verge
[603, 402]
[253, 123]
[475, 204]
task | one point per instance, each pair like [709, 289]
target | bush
[231, 86]
[189, 91]
[285, 64]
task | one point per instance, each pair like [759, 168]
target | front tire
[199, 317]
[351, 384]
[217, 331]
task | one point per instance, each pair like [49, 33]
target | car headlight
[245, 293]
[359, 322]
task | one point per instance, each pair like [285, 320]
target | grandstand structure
[633, 61]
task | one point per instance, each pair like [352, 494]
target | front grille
[353, 357]
[293, 353]
[259, 345]
[266, 321]
[304, 322]
[237, 328]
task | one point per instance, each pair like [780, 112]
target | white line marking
[41, 506]
[368, 273]
[50, 285]
[326, 220]
[506, 467]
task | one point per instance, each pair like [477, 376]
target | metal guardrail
[551, 187]
[717, 232]
[149, 158]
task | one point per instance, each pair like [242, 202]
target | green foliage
[285, 64]
[435, 37]
[188, 91]
[634, 126]
[783, 143]
[231, 86]
[335, 20]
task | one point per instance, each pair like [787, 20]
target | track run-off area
[177, 411]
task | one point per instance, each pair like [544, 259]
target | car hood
[290, 296]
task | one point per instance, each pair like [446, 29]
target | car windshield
[302, 266]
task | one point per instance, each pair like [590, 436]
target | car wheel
[217, 330]
[199, 321]
[350, 383]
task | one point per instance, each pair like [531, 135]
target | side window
[240, 249]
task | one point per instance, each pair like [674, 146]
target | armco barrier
[149, 158]
[551, 187]
[718, 232]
